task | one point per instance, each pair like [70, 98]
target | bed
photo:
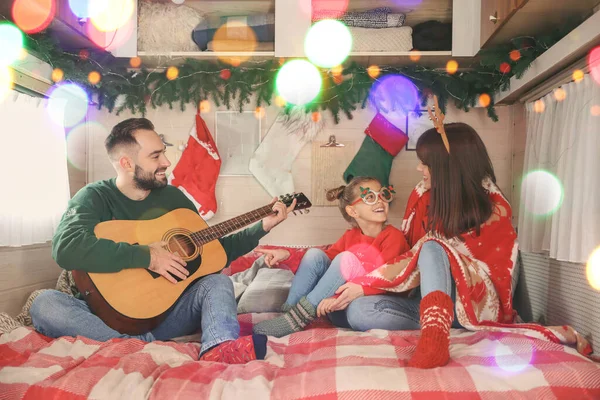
[322, 362]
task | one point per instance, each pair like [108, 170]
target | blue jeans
[318, 277]
[395, 313]
[208, 304]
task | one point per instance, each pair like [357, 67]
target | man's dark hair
[122, 133]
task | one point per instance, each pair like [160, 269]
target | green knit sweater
[75, 246]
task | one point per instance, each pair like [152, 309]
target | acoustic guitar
[135, 301]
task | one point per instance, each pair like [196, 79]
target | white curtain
[563, 138]
[35, 187]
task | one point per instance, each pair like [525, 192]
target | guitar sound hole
[185, 248]
[181, 245]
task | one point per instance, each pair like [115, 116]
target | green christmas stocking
[374, 158]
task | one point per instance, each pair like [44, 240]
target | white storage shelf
[292, 22]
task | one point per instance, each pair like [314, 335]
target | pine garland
[235, 86]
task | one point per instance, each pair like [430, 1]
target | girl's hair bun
[335, 194]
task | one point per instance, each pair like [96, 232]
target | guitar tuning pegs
[294, 212]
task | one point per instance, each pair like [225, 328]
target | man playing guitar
[140, 192]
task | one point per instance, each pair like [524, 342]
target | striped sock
[437, 314]
[295, 320]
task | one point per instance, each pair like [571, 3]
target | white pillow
[167, 27]
[267, 292]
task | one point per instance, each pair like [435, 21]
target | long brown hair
[458, 200]
[348, 194]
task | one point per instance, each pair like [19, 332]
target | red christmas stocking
[197, 171]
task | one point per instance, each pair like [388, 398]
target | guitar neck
[224, 228]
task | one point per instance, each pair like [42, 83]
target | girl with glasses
[323, 275]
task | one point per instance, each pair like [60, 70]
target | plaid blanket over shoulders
[482, 268]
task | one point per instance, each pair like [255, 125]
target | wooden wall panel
[23, 270]
[323, 224]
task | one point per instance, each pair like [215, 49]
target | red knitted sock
[437, 314]
[239, 351]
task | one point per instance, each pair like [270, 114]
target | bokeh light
[560, 94]
[233, 61]
[76, 139]
[110, 15]
[172, 73]
[543, 193]
[407, 3]
[6, 82]
[594, 64]
[23, 54]
[373, 71]
[578, 75]
[539, 106]
[241, 33]
[515, 358]
[260, 112]
[204, 106]
[452, 67]
[11, 43]
[94, 77]
[351, 267]
[593, 269]
[76, 108]
[337, 70]
[515, 55]
[225, 74]
[485, 100]
[85, 9]
[298, 82]
[280, 101]
[328, 43]
[111, 40]
[505, 68]
[595, 110]
[135, 62]
[322, 9]
[57, 75]
[414, 55]
[394, 93]
[33, 16]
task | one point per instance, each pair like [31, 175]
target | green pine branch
[198, 80]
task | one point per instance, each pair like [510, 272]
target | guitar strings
[187, 239]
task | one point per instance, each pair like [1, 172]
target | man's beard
[147, 180]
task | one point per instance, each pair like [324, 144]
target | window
[35, 190]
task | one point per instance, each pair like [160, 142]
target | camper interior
[257, 101]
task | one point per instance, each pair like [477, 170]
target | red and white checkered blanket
[319, 363]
